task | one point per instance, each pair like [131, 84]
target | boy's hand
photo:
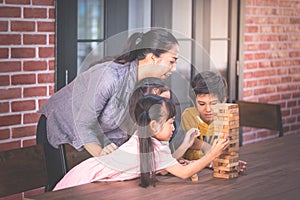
[242, 167]
[190, 137]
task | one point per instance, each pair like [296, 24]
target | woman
[88, 112]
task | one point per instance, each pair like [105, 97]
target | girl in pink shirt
[145, 154]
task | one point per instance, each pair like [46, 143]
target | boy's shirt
[190, 120]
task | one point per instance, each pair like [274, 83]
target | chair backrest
[22, 169]
[73, 156]
[260, 115]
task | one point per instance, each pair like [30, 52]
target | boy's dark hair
[149, 108]
[208, 82]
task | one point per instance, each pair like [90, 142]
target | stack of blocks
[226, 125]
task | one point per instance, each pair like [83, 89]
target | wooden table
[273, 173]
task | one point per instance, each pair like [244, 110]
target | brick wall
[272, 60]
[27, 37]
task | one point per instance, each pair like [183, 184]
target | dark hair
[148, 108]
[208, 82]
[156, 41]
[145, 87]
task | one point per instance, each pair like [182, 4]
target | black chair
[22, 169]
[260, 115]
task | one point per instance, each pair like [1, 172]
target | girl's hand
[219, 147]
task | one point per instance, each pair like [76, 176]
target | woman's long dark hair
[148, 108]
[156, 41]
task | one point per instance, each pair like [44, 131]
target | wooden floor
[273, 173]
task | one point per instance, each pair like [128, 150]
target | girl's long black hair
[148, 108]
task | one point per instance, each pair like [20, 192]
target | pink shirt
[121, 164]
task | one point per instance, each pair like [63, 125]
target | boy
[209, 89]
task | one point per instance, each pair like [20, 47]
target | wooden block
[230, 124]
[226, 175]
[194, 178]
[226, 118]
[227, 159]
[231, 166]
[218, 127]
[231, 136]
[226, 106]
[225, 168]
[233, 147]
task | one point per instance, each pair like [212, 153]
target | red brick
[4, 134]
[266, 90]
[51, 65]
[263, 81]
[3, 26]
[51, 90]
[34, 65]
[4, 107]
[10, 66]
[51, 13]
[11, 93]
[46, 52]
[10, 39]
[23, 105]
[29, 142]
[10, 120]
[21, 79]
[264, 64]
[287, 87]
[259, 56]
[43, 2]
[51, 39]
[46, 78]
[23, 52]
[19, 2]
[251, 65]
[41, 103]
[22, 26]
[4, 80]
[3, 52]
[270, 98]
[30, 118]
[251, 29]
[35, 92]
[10, 145]
[250, 84]
[35, 12]
[248, 56]
[10, 12]
[46, 26]
[34, 39]
[23, 131]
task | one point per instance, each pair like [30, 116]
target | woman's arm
[96, 150]
[196, 166]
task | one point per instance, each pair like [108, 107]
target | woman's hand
[108, 149]
[96, 150]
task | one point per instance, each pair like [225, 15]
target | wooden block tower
[226, 125]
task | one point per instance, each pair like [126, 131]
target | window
[83, 24]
